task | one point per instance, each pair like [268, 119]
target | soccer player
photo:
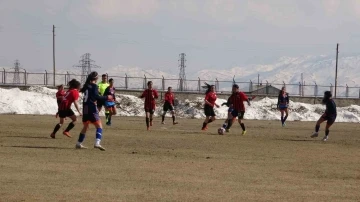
[102, 87]
[282, 104]
[150, 95]
[236, 100]
[110, 104]
[210, 98]
[90, 111]
[59, 96]
[169, 105]
[71, 96]
[329, 116]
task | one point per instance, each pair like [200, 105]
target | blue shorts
[90, 114]
[109, 103]
[283, 106]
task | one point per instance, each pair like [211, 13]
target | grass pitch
[178, 163]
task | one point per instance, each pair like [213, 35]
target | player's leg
[147, 119]
[98, 135]
[242, 125]
[71, 125]
[173, 117]
[57, 127]
[165, 109]
[329, 123]
[212, 115]
[317, 126]
[82, 134]
[151, 116]
[231, 115]
[204, 127]
[282, 116]
[286, 115]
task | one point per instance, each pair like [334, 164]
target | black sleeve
[107, 91]
[97, 95]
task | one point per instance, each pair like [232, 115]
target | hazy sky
[152, 33]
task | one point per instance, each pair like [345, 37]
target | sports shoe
[52, 135]
[66, 134]
[99, 147]
[175, 123]
[148, 128]
[163, 123]
[204, 128]
[284, 124]
[108, 123]
[315, 134]
[80, 146]
[244, 132]
[325, 138]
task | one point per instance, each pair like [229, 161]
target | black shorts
[168, 106]
[66, 113]
[100, 103]
[209, 111]
[240, 114]
[329, 118]
[151, 111]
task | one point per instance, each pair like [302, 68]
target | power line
[86, 64]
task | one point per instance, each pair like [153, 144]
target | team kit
[97, 95]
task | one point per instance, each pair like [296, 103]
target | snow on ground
[41, 100]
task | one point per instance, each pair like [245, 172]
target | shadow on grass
[29, 137]
[38, 147]
[296, 140]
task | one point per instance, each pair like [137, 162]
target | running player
[210, 98]
[90, 111]
[110, 104]
[71, 96]
[282, 104]
[169, 105]
[59, 96]
[329, 116]
[236, 100]
[102, 87]
[150, 95]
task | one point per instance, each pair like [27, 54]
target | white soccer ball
[221, 131]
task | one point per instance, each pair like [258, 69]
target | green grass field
[178, 163]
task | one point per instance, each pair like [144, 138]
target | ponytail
[91, 77]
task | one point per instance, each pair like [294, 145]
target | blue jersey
[283, 100]
[91, 95]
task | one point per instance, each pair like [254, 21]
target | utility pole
[54, 53]
[337, 54]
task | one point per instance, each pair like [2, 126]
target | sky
[150, 34]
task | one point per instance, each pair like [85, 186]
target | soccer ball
[221, 131]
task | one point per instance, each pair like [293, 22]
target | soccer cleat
[108, 123]
[66, 134]
[99, 147]
[325, 138]
[244, 132]
[148, 128]
[315, 134]
[80, 146]
[175, 123]
[52, 135]
[284, 124]
[204, 128]
[163, 123]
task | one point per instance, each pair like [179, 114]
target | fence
[25, 78]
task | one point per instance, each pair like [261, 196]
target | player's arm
[99, 97]
[143, 94]
[244, 97]
[278, 102]
[156, 95]
[76, 102]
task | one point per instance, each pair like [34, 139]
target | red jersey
[150, 96]
[60, 94]
[237, 100]
[211, 97]
[169, 97]
[71, 96]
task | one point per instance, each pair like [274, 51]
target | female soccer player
[282, 104]
[329, 116]
[169, 105]
[229, 117]
[210, 98]
[71, 96]
[90, 111]
[236, 101]
[110, 104]
[150, 95]
[59, 96]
